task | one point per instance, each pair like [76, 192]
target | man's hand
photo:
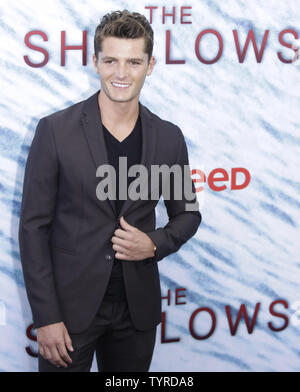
[53, 340]
[130, 243]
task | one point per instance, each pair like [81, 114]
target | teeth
[120, 85]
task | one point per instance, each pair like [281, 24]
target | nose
[121, 72]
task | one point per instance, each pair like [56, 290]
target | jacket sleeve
[36, 216]
[184, 215]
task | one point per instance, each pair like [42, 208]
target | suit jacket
[65, 230]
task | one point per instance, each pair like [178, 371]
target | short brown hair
[124, 24]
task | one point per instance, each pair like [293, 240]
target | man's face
[123, 67]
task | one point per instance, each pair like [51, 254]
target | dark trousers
[119, 346]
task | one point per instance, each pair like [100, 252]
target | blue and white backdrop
[227, 74]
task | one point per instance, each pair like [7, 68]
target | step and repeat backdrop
[227, 73]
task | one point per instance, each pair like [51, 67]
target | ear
[95, 63]
[151, 65]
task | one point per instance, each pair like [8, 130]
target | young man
[90, 264]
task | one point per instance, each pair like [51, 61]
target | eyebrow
[131, 58]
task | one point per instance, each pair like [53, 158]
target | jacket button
[108, 257]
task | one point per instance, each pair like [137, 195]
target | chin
[121, 99]
[116, 98]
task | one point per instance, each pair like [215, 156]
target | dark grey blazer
[65, 230]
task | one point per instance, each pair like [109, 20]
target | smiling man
[90, 265]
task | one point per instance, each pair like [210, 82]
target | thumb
[125, 225]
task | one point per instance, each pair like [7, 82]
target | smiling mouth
[120, 85]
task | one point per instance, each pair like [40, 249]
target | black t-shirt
[130, 147]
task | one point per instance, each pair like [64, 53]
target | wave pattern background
[233, 115]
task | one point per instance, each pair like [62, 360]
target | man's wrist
[154, 250]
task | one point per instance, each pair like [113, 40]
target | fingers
[120, 233]
[132, 247]
[57, 355]
[124, 246]
[49, 355]
[119, 249]
[122, 256]
[54, 340]
[68, 340]
[56, 358]
[120, 242]
[63, 353]
[124, 253]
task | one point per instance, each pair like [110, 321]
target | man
[90, 264]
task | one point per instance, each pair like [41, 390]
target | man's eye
[108, 61]
[135, 62]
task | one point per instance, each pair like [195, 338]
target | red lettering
[201, 179]
[242, 311]
[163, 331]
[212, 179]
[283, 43]
[179, 296]
[250, 36]
[164, 14]
[168, 45]
[168, 297]
[36, 48]
[33, 338]
[212, 329]
[197, 43]
[236, 170]
[182, 14]
[65, 47]
[280, 315]
[151, 13]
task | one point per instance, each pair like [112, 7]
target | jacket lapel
[92, 125]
